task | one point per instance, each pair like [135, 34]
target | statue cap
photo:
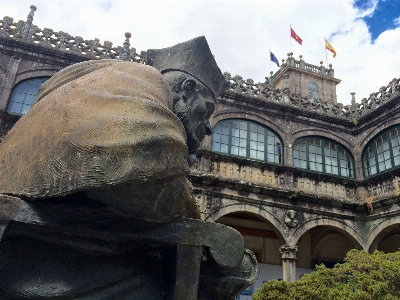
[193, 57]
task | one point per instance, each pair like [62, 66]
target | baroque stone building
[301, 176]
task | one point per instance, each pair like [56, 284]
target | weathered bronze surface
[94, 176]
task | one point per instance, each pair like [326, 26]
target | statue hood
[94, 124]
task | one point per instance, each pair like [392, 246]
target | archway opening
[388, 240]
[329, 246]
[262, 238]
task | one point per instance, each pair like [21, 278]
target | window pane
[25, 108]
[246, 135]
[15, 108]
[224, 148]
[225, 130]
[24, 95]
[260, 155]
[253, 136]
[234, 150]
[216, 146]
[19, 97]
[243, 143]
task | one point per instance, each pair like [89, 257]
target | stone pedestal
[289, 262]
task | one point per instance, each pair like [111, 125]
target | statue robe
[105, 128]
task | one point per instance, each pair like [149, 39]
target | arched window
[313, 90]
[247, 139]
[382, 153]
[24, 94]
[322, 155]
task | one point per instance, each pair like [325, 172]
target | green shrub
[363, 276]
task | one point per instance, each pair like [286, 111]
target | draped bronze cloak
[94, 125]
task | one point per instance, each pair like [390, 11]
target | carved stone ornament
[288, 252]
[290, 219]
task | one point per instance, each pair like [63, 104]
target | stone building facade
[301, 176]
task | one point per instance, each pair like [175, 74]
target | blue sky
[365, 34]
[385, 15]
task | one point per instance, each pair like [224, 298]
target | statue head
[195, 81]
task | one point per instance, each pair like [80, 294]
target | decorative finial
[321, 62]
[288, 54]
[271, 72]
[330, 66]
[32, 12]
[125, 52]
[353, 98]
[301, 57]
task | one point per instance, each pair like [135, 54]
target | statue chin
[191, 159]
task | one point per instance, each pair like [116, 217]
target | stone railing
[301, 64]
[259, 176]
[353, 111]
[27, 32]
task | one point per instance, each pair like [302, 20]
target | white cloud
[397, 21]
[240, 33]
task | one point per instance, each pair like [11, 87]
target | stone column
[289, 262]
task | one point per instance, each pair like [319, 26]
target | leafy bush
[363, 276]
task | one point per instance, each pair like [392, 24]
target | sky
[364, 33]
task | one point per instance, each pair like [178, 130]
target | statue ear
[187, 87]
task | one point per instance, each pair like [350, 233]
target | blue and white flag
[273, 58]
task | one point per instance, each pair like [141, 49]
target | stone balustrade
[257, 176]
[352, 111]
[26, 31]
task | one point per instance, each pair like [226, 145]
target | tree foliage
[362, 276]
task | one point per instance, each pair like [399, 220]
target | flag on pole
[330, 48]
[273, 58]
[295, 36]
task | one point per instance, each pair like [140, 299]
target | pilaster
[9, 81]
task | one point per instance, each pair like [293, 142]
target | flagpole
[290, 37]
[270, 60]
[326, 55]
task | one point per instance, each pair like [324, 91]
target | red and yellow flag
[295, 36]
[330, 48]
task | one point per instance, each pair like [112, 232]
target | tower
[306, 79]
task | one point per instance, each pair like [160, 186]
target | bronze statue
[98, 171]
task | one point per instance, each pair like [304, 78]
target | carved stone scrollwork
[291, 219]
[288, 252]
[5, 28]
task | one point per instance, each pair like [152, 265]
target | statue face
[194, 108]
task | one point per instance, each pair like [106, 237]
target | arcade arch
[385, 237]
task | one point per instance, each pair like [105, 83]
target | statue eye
[189, 85]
